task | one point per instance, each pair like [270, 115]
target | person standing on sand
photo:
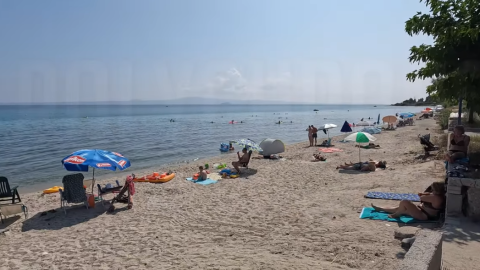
[314, 135]
[310, 135]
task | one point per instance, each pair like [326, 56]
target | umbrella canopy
[390, 119]
[360, 137]
[249, 144]
[328, 126]
[346, 127]
[407, 115]
[96, 158]
[371, 130]
[364, 123]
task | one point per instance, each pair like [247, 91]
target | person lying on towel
[370, 165]
[369, 146]
[242, 160]
[430, 207]
[319, 157]
[202, 175]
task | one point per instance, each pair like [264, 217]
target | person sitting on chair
[458, 145]
[242, 160]
[430, 207]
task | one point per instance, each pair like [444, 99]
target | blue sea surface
[34, 139]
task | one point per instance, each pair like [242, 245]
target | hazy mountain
[180, 101]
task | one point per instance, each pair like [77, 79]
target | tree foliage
[455, 28]
[453, 60]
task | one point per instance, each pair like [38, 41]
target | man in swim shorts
[314, 134]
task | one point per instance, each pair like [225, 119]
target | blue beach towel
[205, 182]
[392, 196]
[370, 213]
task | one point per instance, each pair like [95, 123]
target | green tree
[453, 61]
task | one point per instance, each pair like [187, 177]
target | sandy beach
[280, 214]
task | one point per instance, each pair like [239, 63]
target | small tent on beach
[271, 147]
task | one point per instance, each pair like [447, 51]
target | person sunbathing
[458, 145]
[369, 146]
[430, 207]
[242, 160]
[202, 175]
[370, 165]
[319, 157]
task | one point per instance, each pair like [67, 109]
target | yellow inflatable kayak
[54, 189]
[163, 179]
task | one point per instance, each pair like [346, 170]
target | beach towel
[329, 150]
[205, 182]
[370, 213]
[393, 196]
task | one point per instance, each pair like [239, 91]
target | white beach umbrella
[327, 127]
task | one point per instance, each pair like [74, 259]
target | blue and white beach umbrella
[95, 158]
[249, 144]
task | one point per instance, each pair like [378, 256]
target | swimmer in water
[241, 122]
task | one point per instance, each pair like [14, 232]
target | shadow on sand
[76, 214]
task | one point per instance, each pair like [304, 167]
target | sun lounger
[13, 209]
[73, 191]
[7, 193]
[105, 191]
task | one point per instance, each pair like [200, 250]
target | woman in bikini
[458, 145]
[430, 207]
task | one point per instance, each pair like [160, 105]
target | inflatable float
[233, 122]
[155, 178]
[51, 190]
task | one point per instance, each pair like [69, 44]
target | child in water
[231, 147]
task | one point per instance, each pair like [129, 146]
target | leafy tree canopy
[455, 28]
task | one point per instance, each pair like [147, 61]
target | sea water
[35, 139]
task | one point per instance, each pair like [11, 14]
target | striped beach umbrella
[360, 137]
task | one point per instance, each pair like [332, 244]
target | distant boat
[375, 106]
[315, 110]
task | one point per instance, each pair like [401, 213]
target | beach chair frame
[77, 194]
[102, 192]
[7, 193]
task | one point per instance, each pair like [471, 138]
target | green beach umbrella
[360, 137]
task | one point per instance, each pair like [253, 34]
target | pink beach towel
[329, 150]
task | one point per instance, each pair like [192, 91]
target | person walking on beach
[310, 135]
[314, 135]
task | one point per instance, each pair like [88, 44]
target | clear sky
[314, 51]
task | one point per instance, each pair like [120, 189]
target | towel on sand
[393, 196]
[329, 150]
[205, 182]
[370, 213]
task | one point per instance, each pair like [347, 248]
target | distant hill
[180, 101]
[428, 101]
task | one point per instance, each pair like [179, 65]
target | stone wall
[425, 253]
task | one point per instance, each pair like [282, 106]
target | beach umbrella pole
[93, 181]
[359, 158]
